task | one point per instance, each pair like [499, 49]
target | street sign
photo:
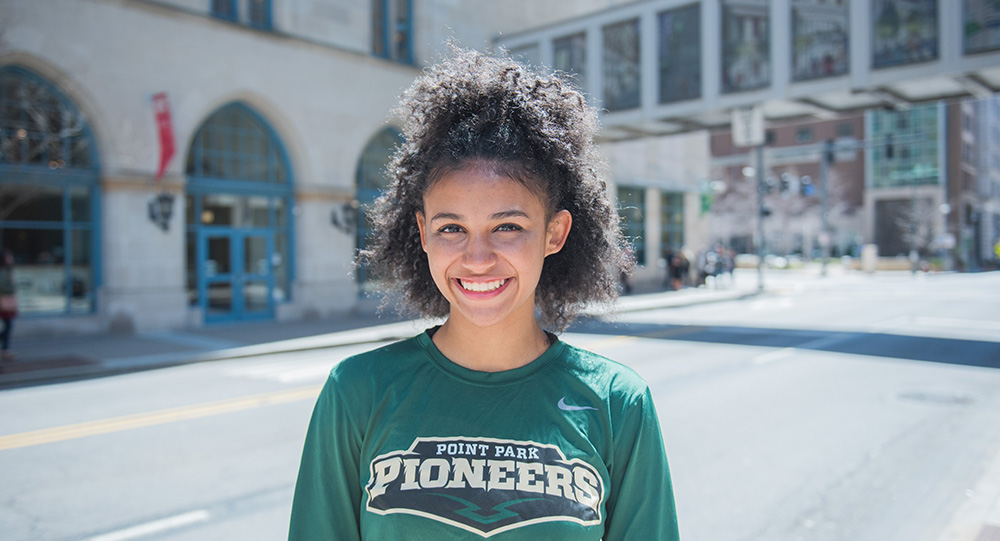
[748, 126]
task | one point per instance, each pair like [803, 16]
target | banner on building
[161, 109]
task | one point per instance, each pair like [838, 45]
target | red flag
[161, 108]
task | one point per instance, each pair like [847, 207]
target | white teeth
[481, 287]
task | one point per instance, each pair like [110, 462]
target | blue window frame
[240, 259]
[224, 9]
[392, 30]
[260, 14]
[372, 179]
[49, 196]
[256, 13]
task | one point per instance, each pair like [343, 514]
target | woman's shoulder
[385, 361]
[619, 378]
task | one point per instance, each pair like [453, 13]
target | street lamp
[345, 217]
[161, 208]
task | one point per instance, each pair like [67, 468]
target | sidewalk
[52, 359]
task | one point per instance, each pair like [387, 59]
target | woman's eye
[509, 227]
[450, 229]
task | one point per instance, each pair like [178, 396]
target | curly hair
[530, 126]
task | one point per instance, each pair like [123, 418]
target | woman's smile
[490, 286]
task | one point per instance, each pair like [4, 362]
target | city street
[851, 407]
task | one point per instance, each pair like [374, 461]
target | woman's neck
[504, 346]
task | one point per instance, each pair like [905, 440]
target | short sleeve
[327, 498]
[641, 500]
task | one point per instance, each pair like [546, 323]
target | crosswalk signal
[806, 186]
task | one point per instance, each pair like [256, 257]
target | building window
[621, 65]
[631, 208]
[746, 45]
[529, 55]
[569, 55]
[915, 160]
[904, 32]
[260, 14]
[672, 221]
[680, 53]
[239, 231]
[255, 13]
[819, 39]
[371, 180]
[804, 134]
[392, 30]
[224, 9]
[845, 129]
[49, 202]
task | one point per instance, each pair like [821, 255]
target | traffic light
[889, 151]
[806, 186]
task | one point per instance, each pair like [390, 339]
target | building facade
[175, 163]
[794, 190]
[932, 182]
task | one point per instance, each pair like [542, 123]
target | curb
[364, 335]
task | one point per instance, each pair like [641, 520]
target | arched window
[239, 231]
[49, 200]
[372, 179]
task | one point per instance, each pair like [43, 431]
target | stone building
[270, 119]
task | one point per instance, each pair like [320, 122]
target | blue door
[236, 278]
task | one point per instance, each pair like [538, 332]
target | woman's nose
[479, 252]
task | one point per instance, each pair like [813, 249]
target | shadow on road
[917, 348]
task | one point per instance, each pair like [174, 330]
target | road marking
[772, 356]
[155, 527]
[140, 420]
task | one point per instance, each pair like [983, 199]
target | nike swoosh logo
[566, 407]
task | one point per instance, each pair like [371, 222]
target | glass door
[236, 278]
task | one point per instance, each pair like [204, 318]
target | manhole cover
[937, 397]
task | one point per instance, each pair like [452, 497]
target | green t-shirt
[405, 444]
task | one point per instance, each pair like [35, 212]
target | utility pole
[827, 157]
[747, 131]
[761, 191]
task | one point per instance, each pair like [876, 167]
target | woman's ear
[423, 231]
[558, 231]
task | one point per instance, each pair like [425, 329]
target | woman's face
[486, 238]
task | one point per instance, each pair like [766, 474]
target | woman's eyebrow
[446, 216]
[502, 215]
[509, 214]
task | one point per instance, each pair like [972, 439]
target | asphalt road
[851, 408]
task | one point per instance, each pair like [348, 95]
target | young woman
[489, 426]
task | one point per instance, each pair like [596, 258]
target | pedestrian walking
[489, 425]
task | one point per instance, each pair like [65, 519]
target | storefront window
[631, 208]
[672, 220]
[48, 196]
